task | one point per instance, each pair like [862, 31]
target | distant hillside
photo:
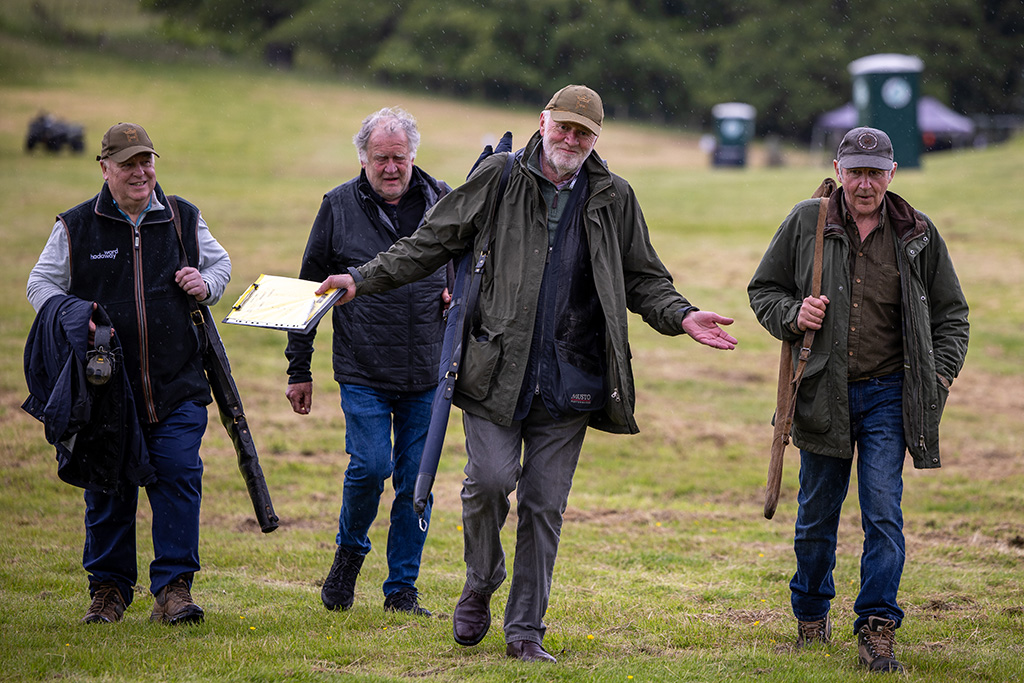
[654, 60]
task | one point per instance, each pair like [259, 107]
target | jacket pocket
[942, 389]
[814, 399]
[479, 361]
[581, 380]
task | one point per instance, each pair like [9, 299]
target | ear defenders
[100, 361]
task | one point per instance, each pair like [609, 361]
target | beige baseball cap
[577, 104]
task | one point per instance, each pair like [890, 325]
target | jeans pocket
[894, 379]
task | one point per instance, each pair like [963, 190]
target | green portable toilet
[734, 127]
[885, 93]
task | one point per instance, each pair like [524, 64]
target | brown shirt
[875, 335]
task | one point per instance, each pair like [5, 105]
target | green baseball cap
[123, 141]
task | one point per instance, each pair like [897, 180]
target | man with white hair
[386, 352]
[547, 356]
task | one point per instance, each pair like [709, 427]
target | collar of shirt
[154, 205]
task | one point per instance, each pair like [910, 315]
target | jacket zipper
[140, 312]
[912, 345]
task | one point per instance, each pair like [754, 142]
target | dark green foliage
[663, 60]
[233, 17]
[349, 33]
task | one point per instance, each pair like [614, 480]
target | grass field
[667, 571]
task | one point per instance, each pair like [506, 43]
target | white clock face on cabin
[732, 129]
[896, 92]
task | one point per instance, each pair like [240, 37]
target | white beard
[564, 163]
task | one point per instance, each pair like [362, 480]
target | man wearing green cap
[122, 251]
[547, 349]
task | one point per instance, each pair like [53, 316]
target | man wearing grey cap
[123, 251]
[891, 333]
[547, 350]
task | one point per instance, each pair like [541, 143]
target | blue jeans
[110, 551]
[876, 429]
[370, 417]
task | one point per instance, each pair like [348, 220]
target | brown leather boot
[811, 632]
[174, 605]
[107, 605]
[875, 642]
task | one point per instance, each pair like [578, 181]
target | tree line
[667, 61]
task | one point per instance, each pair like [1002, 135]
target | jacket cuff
[209, 293]
[685, 311]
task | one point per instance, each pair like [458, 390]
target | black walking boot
[405, 600]
[339, 590]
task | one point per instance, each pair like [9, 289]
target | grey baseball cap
[865, 147]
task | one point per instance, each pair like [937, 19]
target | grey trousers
[536, 458]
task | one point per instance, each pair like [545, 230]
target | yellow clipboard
[282, 303]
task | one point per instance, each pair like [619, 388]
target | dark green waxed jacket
[627, 273]
[935, 326]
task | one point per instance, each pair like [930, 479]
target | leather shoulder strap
[819, 246]
[198, 319]
[173, 201]
[824, 192]
[819, 251]
[506, 173]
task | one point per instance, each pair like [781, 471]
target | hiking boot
[339, 590]
[107, 605]
[875, 641]
[405, 600]
[173, 604]
[811, 632]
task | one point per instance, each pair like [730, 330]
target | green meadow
[667, 571]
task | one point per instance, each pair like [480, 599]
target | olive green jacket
[627, 274]
[935, 327]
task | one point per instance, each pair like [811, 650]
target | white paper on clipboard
[282, 303]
